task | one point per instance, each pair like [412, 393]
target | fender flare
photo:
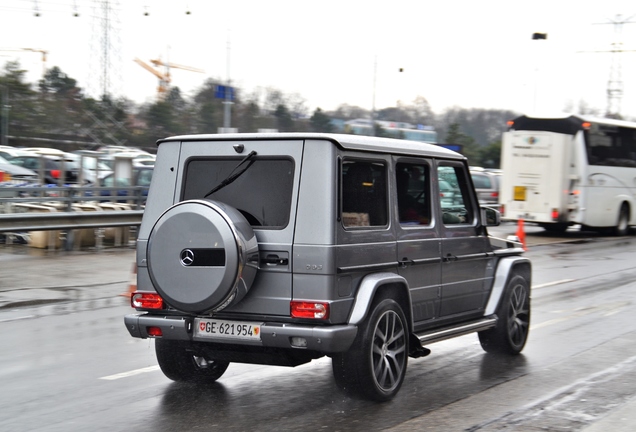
[504, 268]
[368, 287]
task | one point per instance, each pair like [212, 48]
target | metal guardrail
[17, 222]
[134, 195]
[72, 217]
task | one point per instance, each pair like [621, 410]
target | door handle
[450, 257]
[405, 262]
[272, 259]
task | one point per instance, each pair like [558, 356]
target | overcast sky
[471, 54]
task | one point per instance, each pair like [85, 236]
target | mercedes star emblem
[187, 257]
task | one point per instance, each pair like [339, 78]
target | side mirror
[490, 216]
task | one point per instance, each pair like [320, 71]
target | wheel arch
[506, 268]
[388, 285]
[629, 205]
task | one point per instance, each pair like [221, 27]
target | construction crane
[43, 52]
[164, 76]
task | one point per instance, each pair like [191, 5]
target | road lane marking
[17, 318]
[549, 284]
[130, 373]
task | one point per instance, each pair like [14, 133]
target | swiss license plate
[221, 329]
[520, 193]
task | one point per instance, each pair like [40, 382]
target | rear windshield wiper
[234, 174]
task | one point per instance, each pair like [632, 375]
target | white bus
[563, 171]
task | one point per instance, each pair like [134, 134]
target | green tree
[469, 148]
[284, 120]
[320, 122]
[208, 110]
[24, 115]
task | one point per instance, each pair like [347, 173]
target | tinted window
[413, 186]
[263, 193]
[611, 145]
[482, 181]
[364, 197]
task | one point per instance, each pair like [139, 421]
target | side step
[429, 337]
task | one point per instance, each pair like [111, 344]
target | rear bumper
[325, 339]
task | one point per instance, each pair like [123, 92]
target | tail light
[313, 310]
[154, 331]
[146, 300]
[55, 174]
[555, 214]
[4, 176]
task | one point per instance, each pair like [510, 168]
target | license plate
[220, 329]
[520, 193]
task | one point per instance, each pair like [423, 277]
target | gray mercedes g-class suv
[282, 248]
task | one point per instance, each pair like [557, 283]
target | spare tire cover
[202, 256]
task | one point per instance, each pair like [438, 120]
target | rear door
[418, 241]
[534, 165]
[266, 193]
[466, 262]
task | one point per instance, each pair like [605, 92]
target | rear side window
[263, 193]
[413, 196]
[454, 195]
[364, 193]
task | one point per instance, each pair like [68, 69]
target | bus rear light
[555, 214]
[154, 331]
[502, 209]
[146, 300]
[313, 310]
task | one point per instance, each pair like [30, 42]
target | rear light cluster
[312, 310]
[146, 300]
[4, 176]
[55, 174]
[555, 214]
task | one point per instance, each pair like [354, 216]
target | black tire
[555, 228]
[511, 333]
[180, 364]
[622, 224]
[375, 366]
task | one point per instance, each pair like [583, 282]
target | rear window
[263, 193]
[482, 182]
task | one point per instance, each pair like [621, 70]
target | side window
[413, 193]
[454, 195]
[364, 197]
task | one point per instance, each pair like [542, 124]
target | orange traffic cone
[521, 235]
[132, 286]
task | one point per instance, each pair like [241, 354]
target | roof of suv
[349, 142]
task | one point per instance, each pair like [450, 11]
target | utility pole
[615, 81]
[227, 103]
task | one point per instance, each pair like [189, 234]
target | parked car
[487, 186]
[93, 169]
[121, 187]
[15, 173]
[280, 249]
[137, 159]
[56, 168]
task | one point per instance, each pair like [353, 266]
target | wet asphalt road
[68, 363]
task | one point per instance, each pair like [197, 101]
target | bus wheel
[622, 226]
[556, 228]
